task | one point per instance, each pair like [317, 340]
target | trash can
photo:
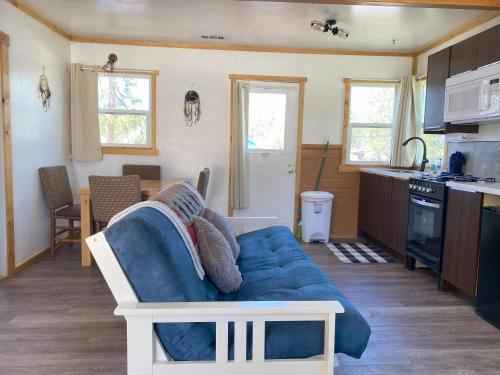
[316, 214]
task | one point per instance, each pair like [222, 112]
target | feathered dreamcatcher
[44, 91]
[192, 107]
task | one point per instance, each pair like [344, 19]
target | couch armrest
[247, 224]
[208, 311]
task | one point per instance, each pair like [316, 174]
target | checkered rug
[359, 253]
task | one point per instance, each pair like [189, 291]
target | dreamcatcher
[44, 91]
[192, 110]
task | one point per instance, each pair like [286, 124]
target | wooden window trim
[354, 168]
[147, 151]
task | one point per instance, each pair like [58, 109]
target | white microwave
[474, 96]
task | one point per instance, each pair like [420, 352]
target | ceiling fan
[330, 25]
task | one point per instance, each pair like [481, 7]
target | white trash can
[316, 214]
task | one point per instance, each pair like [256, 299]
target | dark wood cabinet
[437, 73]
[374, 205]
[488, 46]
[383, 211]
[463, 56]
[399, 216]
[461, 242]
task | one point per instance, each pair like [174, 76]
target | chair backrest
[203, 182]
[55, 186]
[110, 195]
[145, 172]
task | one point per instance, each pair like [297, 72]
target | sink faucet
[424, 157]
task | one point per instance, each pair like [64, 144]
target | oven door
[425, 231]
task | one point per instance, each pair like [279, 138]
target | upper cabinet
[488, 47]
[470, 54]
[463, 56]
[437, 72]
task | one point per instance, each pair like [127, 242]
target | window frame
[151, 148]
[347, 166]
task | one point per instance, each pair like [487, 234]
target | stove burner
[454, 177]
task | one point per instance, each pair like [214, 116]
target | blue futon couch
[156, 262]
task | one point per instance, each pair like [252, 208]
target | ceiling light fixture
[329, 25]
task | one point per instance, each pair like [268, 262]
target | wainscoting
[344, 186]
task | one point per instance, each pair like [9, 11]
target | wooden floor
[57, 318]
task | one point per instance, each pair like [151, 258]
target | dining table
[149, 188]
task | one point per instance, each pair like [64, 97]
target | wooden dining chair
[57, 192]
[110, 195]
[203, 182]
[145, 172]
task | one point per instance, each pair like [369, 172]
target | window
[370, 111]
[266, 119]
[127, 118]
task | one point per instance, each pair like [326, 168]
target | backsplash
[483, 158]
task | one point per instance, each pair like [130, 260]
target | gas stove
[433, 185]
[454, 177]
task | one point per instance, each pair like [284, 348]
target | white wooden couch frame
[145, 355]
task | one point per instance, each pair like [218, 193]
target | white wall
[38, 138]
[489, 132]
[185, 151]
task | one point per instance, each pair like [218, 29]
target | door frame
[300, 125]
[7, 153]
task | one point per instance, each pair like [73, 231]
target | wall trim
[7, 154]
[34, 258]
[37, 16]
[456, 4]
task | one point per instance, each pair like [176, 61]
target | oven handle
[421, 202]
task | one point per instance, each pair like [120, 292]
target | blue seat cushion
[275, 268]
[157, 264]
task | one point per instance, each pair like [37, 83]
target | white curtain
[85, 138]
[239, 164]
[406, 122]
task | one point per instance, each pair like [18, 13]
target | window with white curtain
[370, 123]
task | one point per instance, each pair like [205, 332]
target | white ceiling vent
[217, 37]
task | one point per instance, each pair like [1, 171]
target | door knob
[291, 168]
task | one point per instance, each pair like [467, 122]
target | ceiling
[256, 23]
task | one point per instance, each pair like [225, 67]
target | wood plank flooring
[57, 318]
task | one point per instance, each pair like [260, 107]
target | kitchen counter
[402, 174]
[480, 187]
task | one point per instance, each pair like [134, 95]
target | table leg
[86, 225]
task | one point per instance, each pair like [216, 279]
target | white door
[272, 145]
[3, 228]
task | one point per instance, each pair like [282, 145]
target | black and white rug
[359, 253]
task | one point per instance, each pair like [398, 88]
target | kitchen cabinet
[488, 46]
[461, 241]
[383, 211]
[399, 216]
[437, 72]
[463, 56]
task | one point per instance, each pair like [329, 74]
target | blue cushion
[158, 266]
[274, 267]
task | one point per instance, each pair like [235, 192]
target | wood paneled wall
[344, 186]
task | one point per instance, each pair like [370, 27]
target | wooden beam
[462, 29]
[7, 156]
[454, 4]
[235, 47]
[37, 16]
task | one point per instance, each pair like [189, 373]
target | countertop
[480, 187]
[404, 174]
